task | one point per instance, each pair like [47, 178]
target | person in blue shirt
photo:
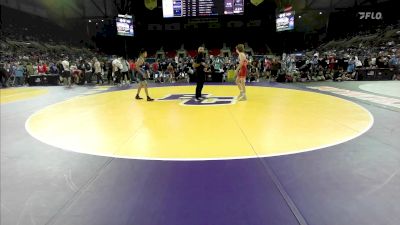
[19, 74]
[394, 62]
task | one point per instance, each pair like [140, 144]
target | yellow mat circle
[274, 121]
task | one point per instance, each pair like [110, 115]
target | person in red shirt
[332, 62]
[42, 68]
[155, 67]
[45, 68]
[267, 67]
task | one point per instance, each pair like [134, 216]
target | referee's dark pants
[200, 78]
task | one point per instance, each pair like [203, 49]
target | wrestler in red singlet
[243, 69]
[241, 72]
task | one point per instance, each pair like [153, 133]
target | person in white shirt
[75, 73]
[117, 68]
[66, 72]
[97, 71]
[358, 62]
[124, 71]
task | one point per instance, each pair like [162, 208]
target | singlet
[142, 68]
[140, 60]
[243, 69]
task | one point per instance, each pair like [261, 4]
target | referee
[199, 65]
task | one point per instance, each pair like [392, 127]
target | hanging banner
[256, 2]
[150, 4]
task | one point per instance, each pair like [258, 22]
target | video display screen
[285, 21]
[193, 8]
[125, 25]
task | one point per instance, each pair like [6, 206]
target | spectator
[29, 69]
[42, 68]
[110, 72]
[395, 64]
[338, 75]
[117, 68]
[19, 74]
[66, 72]
[254, 74]
[53, 68]
[88, 71]
[366, 62]
[3, 75]
[351, 68]
[132, 66]
[357, 62]
[171, 73]
[97, 71]
[320, 74]
[267, 67]
[124, 71]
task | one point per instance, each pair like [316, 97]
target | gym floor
[321, 153]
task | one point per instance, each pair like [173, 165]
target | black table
[46, 80]
[374, 74]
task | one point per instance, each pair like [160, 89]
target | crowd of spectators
[338, 60]
[20, 60]
[342, 60]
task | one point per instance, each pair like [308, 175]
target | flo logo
[189, 100]
[370, 15]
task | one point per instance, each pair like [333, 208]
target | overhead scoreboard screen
[125, 25]
[193, 8]
[285, 21]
